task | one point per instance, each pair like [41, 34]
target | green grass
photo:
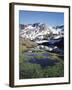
[23, 58]
[54, 71]
[29, 70]
[40, 57]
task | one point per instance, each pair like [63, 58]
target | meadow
[40, 64]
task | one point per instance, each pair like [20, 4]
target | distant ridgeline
[40, 31]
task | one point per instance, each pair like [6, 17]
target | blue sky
[50, 18]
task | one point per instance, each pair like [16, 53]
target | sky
[50, 18]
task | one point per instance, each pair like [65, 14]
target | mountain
[41, 36]
[39, 31]
[60, 28]
[35, 31]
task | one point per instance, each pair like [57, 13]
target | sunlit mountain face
[37, 30]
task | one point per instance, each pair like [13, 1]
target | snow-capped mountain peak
[39, 31]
